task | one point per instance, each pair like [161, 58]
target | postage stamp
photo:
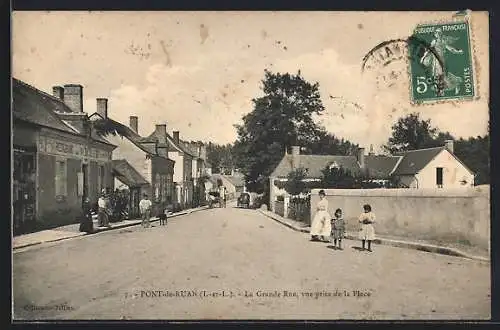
[442, 66]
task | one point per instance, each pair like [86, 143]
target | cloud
[204, 100]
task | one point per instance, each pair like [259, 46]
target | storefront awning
[123, 171]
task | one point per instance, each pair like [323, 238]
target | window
[439, 177]
[169, 187]
[100, 178]
[61, 182]
[157, 188]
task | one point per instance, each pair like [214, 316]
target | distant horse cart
[214, 199]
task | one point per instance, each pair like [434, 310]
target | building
[141, 164]
[128, 179]
[183, 171]
[199, 171]
[234, 184]
[58, 158]
[433, 168]
[423, 168]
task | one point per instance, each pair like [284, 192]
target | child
[145, 208]
[367, 232]
[338, 229]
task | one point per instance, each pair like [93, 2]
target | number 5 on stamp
[441, 65]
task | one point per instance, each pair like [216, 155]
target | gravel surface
[238, 264]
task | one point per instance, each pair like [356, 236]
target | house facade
[58, 158]
[423, 168]
[140, 163]
[183, 171]
[433, 168]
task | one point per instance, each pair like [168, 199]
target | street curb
[100, 230]
[276, 218]
[389, 242]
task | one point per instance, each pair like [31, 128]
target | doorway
[85, 171]
[24, 190]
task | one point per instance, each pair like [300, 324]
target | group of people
[103, 213]
[106, 209]
[332, 229]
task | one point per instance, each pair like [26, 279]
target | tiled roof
[36, 107]
[415, 160]
[127, 174]
[127, 132]
[237, 181]
[181, 146]
[380, 167]
[315, 164]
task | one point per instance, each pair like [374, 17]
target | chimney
[176, 137]
[73, 97]
[58, 91]
[295, 158]
[102, 107]
[371, 153]
[161, 132]
[203, 151]
[448, 144]
[134, 123]
[361, 157]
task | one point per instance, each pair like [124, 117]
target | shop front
[24, 189]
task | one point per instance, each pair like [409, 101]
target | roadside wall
[446, 215]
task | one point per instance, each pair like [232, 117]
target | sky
[198, 71]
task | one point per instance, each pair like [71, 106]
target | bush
[299, 209]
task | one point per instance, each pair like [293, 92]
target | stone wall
[456, 216]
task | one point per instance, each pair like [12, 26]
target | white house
[423, 168]
[433, 168]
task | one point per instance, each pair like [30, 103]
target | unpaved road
[134, 273]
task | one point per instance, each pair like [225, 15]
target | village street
[236, 253]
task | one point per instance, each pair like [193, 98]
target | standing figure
[321, 227]
[338, 229]
[86, 224]
[145, 209]
[103, 217]
[367, 232]
[222, 192]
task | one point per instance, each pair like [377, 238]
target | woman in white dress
[321, 227]
[367, 232]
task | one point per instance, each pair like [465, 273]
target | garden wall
[458, 215]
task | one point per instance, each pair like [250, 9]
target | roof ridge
[44, 93]
[414, 150]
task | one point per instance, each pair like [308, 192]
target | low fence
[279, 208]
[299, 209]
[445, 215]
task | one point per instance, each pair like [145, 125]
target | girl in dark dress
[338, 229]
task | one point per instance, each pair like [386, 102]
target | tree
[337, 178]
[475, 153]
[329, 144]
[282, 117]
[295, 184]
[411, 132]
[220, 157]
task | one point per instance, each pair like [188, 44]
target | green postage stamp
[441, 68]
